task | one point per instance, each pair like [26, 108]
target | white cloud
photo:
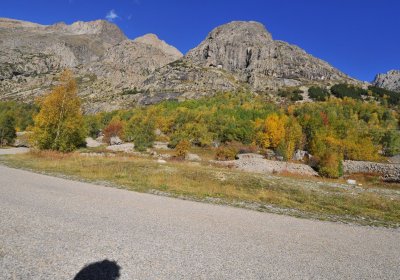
[111, 15]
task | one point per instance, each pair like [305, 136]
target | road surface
[50, 228]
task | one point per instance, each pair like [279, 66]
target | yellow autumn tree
[271, 131]
[292, 139]
[59, 125]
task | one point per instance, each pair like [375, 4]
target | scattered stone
[192, 157]
[257, 164]
[22, 139]
[115, 140]
[161, 161]
[249, 156]
[301, 155]
[394, 159]
[351, 182]
[161, 145]
[91, 143]
[389, 172]
[270, 154]
[126, 148]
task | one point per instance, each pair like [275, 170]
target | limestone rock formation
[247, 51]
[389, 80]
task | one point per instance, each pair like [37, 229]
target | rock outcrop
[243, 54]
[389, 80]
[389, 172]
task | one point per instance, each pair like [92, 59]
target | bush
[93, 126]
[141, 130]
[226, 152]
[318, 93]
[182, 149]
[7, 129]
[392, 97]
[391, 143]
[291, 94]
[21, 112]
[345, 90]
[114, 129]
[331, 166]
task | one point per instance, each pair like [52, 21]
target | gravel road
[50, 228]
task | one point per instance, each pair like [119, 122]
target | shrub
[182, 149]
[392, 97]
[226, 152]
[141, 130]
[345, 90]
[391, 143]
[7, 129]
[114, 129]
[331, 166]
[292, 94]
[318, 93]
[93, 125]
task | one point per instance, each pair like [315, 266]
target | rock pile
[389, 172]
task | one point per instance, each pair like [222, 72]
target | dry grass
[312, 197]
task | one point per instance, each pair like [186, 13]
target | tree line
[331, 130]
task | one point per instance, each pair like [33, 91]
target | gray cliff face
[389, 80]
[245, 56]
[115, 72]
[248, 50]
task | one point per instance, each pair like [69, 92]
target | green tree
[141, 130]
[7, 129]
[59, 125]
[391, 143]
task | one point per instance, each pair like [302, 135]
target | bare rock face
[389, 81]
[242, 55]
[248, 50]
[154, 41]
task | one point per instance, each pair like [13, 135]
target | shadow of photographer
[102, 270]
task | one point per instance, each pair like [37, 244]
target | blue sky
[360, 37]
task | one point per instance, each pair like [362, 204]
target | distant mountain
[115, 72]
[389, 80]
[242, 55]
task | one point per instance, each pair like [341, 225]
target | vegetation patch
[305, 197]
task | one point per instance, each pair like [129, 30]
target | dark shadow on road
[103, 270]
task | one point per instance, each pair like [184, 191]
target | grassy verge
[280, 194]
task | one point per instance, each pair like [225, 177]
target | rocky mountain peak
[242, 30]
[231, 45]
[248, 50]
[389, 80]
[153, 40]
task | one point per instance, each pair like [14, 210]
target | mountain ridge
[116, 72]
